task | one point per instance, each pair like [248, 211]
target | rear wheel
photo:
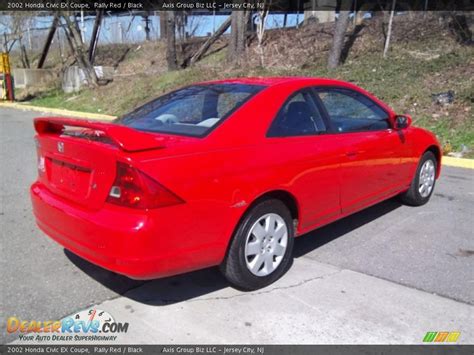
[262, 247]
[423, 183]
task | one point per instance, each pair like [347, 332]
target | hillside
[426, 58]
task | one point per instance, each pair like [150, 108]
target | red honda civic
[225, 173]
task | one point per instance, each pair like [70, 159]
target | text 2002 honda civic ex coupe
[225, 173]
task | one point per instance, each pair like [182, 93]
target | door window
[299, 116]
[351, 111]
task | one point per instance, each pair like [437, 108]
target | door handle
[351, 154]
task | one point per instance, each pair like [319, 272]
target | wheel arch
[437, 153]
[284, 196]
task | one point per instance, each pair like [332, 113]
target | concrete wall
[74, 79]
[24, 78]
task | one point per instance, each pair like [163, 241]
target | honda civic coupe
[225, 173]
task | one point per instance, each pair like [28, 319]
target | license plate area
[69, 177]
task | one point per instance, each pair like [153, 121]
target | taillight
[133, 188]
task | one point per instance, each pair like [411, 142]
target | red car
[225, 173]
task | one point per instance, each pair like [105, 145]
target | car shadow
[317, 238]
[191, 285]
[163, 291]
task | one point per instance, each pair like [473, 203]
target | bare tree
[338, 39]
[262, 19]
[171, 41]
[389, 33]
[181, 21]
[80, 53]
[17, 24]
[204, 48]
[193, 23]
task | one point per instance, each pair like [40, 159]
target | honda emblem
[60, 147]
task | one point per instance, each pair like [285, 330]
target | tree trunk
[79, 52]
[201, 51]
[163, 24]
[231, 51]
[389, 33]
[24, 56]
[49, 39]
[237, 44]
[95, 36]
[260, 33]
[146, 19]
[338, 39]
[171, 41]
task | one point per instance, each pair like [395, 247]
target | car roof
[271, 81]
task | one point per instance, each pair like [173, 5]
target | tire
[273, 217]
[413, 196]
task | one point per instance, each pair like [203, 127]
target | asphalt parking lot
[392, 259]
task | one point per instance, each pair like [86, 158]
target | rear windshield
[192, 111]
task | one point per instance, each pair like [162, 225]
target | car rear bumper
[118, 239]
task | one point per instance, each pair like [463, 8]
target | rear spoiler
[127, 139]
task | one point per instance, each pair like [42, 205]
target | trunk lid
[77, 158]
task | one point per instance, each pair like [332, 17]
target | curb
[457, 162]
[58, 111]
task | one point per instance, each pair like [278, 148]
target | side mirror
[402, 122]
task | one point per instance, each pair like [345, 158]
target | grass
[404, 82]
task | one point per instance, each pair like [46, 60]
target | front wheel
[423, 183]
[261, 250]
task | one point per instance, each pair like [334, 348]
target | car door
[370, 165]
[307, 158]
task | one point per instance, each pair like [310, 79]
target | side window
[299, 116]
[350, 111]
